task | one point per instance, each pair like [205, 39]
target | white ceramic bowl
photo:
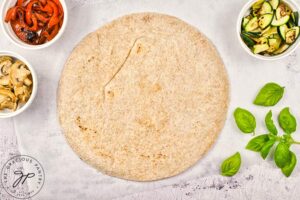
[6, 4]
[245, 10]
[22, 108]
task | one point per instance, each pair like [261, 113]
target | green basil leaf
[288, 169]
[287, 121]
[270, 124]
[244, 120]
[266, 148]
[269, 95]
[257, 143]
[231, 165]
[282, 155]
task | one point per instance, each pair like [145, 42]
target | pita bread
[144, 97]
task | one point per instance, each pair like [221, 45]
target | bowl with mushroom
[18, 84]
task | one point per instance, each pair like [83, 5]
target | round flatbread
[144, 97]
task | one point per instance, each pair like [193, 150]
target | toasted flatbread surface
[144, 97]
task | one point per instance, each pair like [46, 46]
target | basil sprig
[269, 95]
[284, 158]
[231, 165]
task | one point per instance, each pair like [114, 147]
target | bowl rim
[34, 87]
[242, 13]
[24, 45]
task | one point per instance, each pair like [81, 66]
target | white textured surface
[67, 177]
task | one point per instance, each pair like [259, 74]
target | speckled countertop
[37, 132]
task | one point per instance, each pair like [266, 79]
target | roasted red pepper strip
[44, 33]
[29, 12]
[54, 19]
[11, 14]
[21, 20]
[53, 32]
[17, 27]
[57, 2]
[61, 18]
[20, 2]
[43, 2]
[42, 18]
[48, 9]
[35, 26]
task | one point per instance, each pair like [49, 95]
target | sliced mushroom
[5, 88]
[9, 105]
[4, 58]
[8, 93]
[7, 99]
[18, 73]
[3, 98]
[5, 65]
[27, 82]
[5, 81]
[23, 93]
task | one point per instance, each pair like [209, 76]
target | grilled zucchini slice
[266, 8]
[281, 49]
[291, 35]
[259, 48]
[281, 21]
[295, 17]
[252, 24]
[265, 20]
[282, 31]
[283, 10]
[248, 41]
[274, 4]
[274, 44]
[269, 31]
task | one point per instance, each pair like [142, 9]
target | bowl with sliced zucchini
[269, 29]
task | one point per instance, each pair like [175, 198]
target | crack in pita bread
[122, 65]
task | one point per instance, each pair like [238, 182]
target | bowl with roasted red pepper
[34, 24]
